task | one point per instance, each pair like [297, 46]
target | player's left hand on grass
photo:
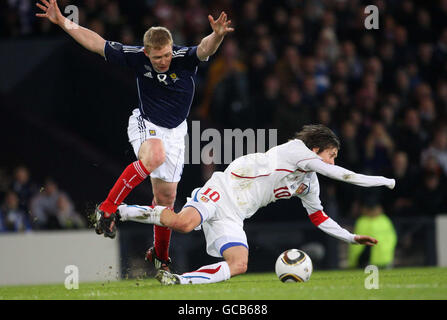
[221, 25]
[366, 240]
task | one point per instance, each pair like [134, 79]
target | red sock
[162, 238]
[133, 175]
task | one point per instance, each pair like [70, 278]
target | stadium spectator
[411, 136]
[378, 148]
[12, 217]
[266, 104]
[293, 113]
[438, 149]
[67, 216]
[288, 67]
[351, 155]
[374, 221]
[431, 198]
[23, 186]
[401, 202]
[45, 206]
[228, 70]
[441, 98]
[195, 19]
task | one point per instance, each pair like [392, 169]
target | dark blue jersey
[164, 98]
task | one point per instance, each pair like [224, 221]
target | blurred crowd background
[288, 63]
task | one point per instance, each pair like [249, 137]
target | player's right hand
[50, 9]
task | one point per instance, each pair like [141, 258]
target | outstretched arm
[312, 203]
[332, 228]
[209, 45]
[342, 174]
[85, 37]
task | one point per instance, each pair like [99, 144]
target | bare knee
[152, 154]
[152, 161]
[238, 267]
[165, 198]
[237, 259]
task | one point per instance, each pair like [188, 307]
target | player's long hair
[318, 136]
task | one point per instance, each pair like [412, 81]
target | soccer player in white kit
[249, 183]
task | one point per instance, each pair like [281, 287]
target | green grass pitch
[394, 284]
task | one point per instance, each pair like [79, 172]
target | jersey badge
[303, 187]
[174, 77]
[152, 132]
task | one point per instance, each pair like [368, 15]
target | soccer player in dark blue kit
[165, 81]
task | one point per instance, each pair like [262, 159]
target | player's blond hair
[157, 38]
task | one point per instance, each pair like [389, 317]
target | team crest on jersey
[174, 77]
[303, 187]
[152, 132]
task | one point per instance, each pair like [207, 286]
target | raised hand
[51, 11]
[366, 240]
[221, 25]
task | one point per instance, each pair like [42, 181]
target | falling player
[249, 183]
[165, 81]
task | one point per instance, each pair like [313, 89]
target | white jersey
[255, 180]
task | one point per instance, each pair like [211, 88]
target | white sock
[207, 274]
[142, 214]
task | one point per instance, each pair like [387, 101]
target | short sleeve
[120, 54]
[187, 56]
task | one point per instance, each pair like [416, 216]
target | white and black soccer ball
[293, 265]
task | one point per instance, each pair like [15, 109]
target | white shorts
[139, 130]
[222, 226]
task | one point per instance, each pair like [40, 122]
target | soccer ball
[293, 265]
